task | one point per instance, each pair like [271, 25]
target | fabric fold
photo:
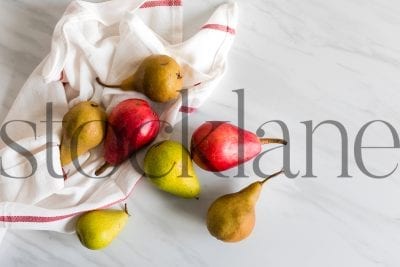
[106, 40]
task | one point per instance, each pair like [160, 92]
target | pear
[231, 218]
[158, 77]
[83, 128]
[215, 145]
[165, 164]
[97, 229]
[132, 124]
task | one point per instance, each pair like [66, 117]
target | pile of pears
[133, 125]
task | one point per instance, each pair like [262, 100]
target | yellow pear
[231, 218]
[169, 167]
[159, 77]
[83, 128]
[97, 229]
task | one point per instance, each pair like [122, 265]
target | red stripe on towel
[219, 27]
[63, 77]
[46, 219]
[34, 219]
[186, 109]
[149, 4]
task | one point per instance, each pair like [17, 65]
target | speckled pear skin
[159, 77]
[83, 128]
[231, 218]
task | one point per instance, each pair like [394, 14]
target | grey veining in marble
[297, 61]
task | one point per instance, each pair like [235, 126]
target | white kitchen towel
[107, 40]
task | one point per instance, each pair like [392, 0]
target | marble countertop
[300, 62]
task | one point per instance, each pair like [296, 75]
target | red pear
[132, 125]
[215, 145]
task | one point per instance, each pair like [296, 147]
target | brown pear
[159, 77]
[231, 218]
[83, 128]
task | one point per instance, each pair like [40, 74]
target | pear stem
[102, 169]
[265, 141]
[107, 85]
[272, 176]
[126, 209]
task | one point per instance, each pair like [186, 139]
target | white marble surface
[297, 60]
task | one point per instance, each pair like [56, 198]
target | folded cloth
[106, 40]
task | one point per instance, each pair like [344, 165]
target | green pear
[83, 128]
[169, 167]
[96, 229]
[231, 218]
